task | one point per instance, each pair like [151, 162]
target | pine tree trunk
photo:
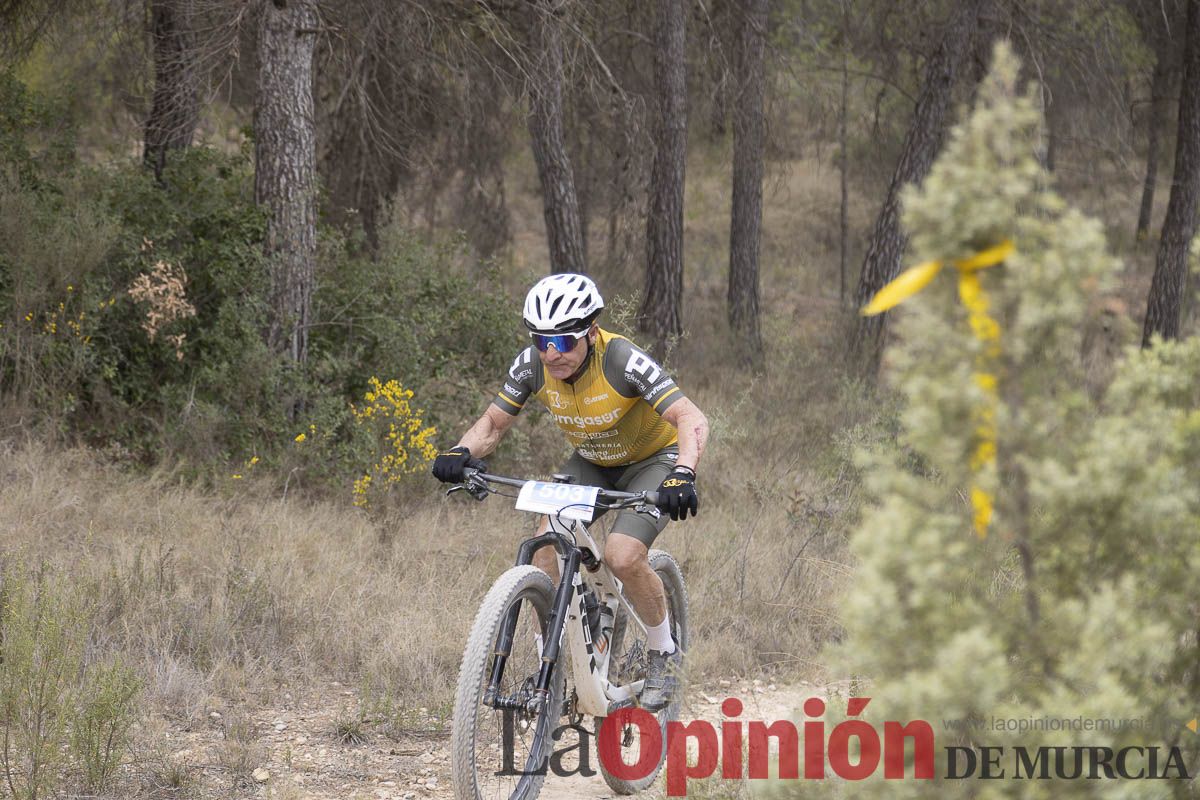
[1170, 272]
[745, 230]
[285, 166]
[718, 68]
[661, 314]
[564, 229]
[1052, 136]
[175, 106]
[844, 160]
[1155, 120]
[921, 146]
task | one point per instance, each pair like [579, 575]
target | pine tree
[1080, 602]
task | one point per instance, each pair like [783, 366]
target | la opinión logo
[726, 750]
[853, 750]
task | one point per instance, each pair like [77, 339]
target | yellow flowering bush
[404, 441]
[237, 476]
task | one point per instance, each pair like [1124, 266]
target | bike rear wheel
[501, 754]
[628, 663]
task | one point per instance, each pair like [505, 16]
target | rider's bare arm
[693, 430]
[487, 432]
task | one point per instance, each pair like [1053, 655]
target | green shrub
[1078, 603]
[100, 734]
[37, 135]
[58, 712]
[421, 314]
[133, 314]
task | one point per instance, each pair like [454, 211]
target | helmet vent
[563, 302]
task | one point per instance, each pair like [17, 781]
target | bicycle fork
[532, 704]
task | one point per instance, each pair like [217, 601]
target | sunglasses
[563, 342]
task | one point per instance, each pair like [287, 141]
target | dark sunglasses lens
[562, 344]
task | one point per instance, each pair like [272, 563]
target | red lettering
[760, 748]
[814, 739]
[839, 750]
[731, 740]
[608, 744]
[678, 770]
[894, 754]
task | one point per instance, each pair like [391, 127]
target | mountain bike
[538, 653]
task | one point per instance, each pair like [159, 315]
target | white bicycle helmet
[562, 303]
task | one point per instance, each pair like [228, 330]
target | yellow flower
[301, 438]
[254, 461]
[237, 476]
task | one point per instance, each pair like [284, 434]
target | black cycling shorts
[643, 523]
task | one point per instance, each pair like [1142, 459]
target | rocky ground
[316, 746]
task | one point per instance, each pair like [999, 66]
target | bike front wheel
[499, 747]
[629, 661]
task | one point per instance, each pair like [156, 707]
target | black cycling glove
[448, 466]
[677, 494]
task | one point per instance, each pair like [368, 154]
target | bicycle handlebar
[650, 498]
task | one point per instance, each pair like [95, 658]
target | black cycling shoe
[662, 678]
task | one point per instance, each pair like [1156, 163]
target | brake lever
[476, 489]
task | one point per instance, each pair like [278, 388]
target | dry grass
[223, 594]
[219, 597]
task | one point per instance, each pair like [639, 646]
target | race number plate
[564, 499]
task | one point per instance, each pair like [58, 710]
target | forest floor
[296, 753]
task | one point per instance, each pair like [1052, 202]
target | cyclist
[632, 429]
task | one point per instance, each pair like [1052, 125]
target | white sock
[659, 637]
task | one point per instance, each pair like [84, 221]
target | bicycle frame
[595, 694]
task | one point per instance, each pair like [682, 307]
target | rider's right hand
[448, 466]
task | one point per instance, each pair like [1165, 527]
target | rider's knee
[546, 559]
[624, 555]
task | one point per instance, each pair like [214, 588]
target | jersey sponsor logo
[668, 383]
[582, 440]
[587, 401]
[511, 390]
[580, 421]
[555, 400]
[602, 455]
[642, 365]
[524, 357]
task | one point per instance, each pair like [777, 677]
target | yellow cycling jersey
[611, 412]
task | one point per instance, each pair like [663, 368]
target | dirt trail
[291, 751]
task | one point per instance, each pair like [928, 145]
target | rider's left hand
[677, 494]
